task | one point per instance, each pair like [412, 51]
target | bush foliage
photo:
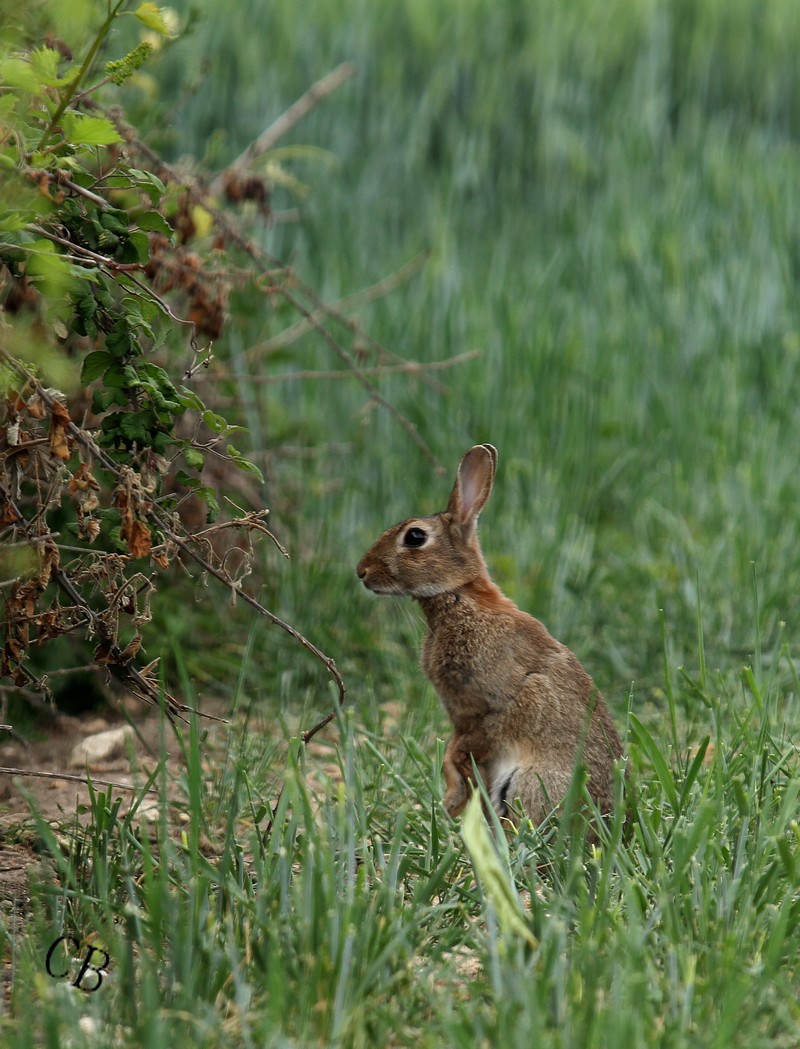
[115, 275]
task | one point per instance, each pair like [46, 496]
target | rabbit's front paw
[455, 800]
[458, 774]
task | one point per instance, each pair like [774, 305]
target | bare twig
[413, 368]
[81, 253]
[285, 122]
[327, 661]
[306, 737]
[148, 290]
[74, 779]
[250, 521]
[350, 302]
[94, 197]
[261, 256]
[369, 386]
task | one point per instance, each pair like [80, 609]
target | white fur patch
[501, 772]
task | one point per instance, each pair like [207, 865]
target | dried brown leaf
[36, 406]
[104, 653]
[83, 480]
[131, 649]
[8, 515]
[50, 560]
[139, 539]
[59, 424]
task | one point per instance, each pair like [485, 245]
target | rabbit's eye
[415, 537]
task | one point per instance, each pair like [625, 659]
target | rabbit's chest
[472, 669]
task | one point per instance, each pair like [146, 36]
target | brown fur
[522, 706]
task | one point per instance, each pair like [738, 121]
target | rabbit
[523, 708]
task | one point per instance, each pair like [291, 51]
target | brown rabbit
[521, 704]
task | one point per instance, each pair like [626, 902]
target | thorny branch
[312, 314]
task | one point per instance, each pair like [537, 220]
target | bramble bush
[104, 438]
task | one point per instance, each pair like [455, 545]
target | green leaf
[115, 220]
[159, 377]
[154, 221]
[495, 879]
[151, 15]
[140, 245]
[694, 769]
[186, 480]
[81, 130]
[189, 399]
[119, 377]
[196, 460]
[118, 181]
[16, 72]
[94, 364]
[214, 422]
[161, 441]
[45, 265]
[103, 398]
[788, 858]
[140, 311]
[44, 62]
[7, 103]
[135, 426]
[120, 342]
[148, 182]
[211, 501]
[660, 767]
[244, 464]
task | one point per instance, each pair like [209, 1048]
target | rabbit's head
[426, 556]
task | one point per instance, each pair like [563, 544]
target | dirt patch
[44, 776]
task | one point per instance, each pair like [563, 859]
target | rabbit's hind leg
[536, 790]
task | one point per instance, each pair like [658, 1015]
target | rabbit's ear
[473, 485]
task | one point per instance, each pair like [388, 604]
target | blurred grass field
[608, 199]
[608, 196]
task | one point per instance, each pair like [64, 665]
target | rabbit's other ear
[473, 486]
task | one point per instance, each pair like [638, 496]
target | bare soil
[38, 774]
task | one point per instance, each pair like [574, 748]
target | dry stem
[286, 121]
[73, 779]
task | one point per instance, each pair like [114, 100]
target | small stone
[149, 810]
[95, 726]
[103, 746]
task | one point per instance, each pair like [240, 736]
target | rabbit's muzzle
[379, 577]
[374, 579]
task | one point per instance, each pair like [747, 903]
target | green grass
[349, 914]
[608, 197]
